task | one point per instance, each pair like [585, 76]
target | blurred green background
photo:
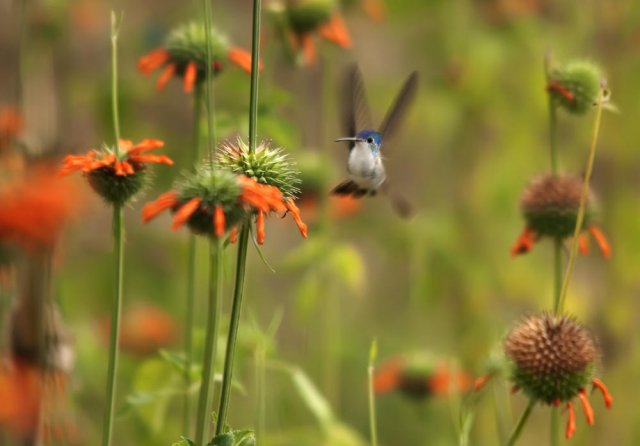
[443, 282]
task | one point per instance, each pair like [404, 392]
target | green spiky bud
[214, 187]
[307, 15]
[265, 165]
[575, 86]
[188, 43]
[116, 189]
[553, 357]
[550, 205]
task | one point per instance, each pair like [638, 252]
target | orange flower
[185, 55]
[333, 29]
[528, 238]
[33, 210]
[20, 393]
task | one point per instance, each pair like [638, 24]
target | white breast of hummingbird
[365, 166]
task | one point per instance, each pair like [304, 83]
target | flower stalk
[521, 422]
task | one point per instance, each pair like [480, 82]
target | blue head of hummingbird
[365, 163]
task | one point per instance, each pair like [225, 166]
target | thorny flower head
[298, 20]
[116, 173]
[575, 86]
[550, 208]
[553, 361]
[271, 167]
[184, 54]
[213, 200]
[419, 376]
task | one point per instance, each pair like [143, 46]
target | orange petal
[158, 159]
[128, 168]
[601, 240]
[153, 60]
[561, 90]
[185, 211]
[119, 169]
[308, 49]
[336, 31]
[583, 244]
[162, 203]
[233, 237]
[525, 242]
[374, 9]
[189, 79]
[166, 76]
[242, 59]
[480, 382]
[143, 146]
[260, 227]
[571, 422]
[586, 407]
[608, 399]
[291, 207]
[387, 377]
[218, 221]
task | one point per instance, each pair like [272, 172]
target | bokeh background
[442, 283]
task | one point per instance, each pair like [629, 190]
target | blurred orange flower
[11, 125]
[20, 393]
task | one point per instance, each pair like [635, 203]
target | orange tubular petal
[158, 159]
[119, 169]
[601, 240]
[308, 49]
[233, 237]
[387, 377]
[586, 407]
[242, 59]
[561, 90]
[608, 399]
[291, 207]
[152, 61]
[161, 204]
[128, 168]
[583, 244]
[480, 382]
[571, 422]
[218, 221]
[336, 31]
[514, 389]
[189, 79]
[525, 242]
[166, 76]
[143, 146]
[185, 211]
[260, 227]
[374, 9]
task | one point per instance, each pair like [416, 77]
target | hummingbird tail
[349, 188]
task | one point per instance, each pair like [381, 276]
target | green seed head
[272, 167]
[550, 205]
[215, 187]
[188, 43]
[307, 15]
[117, 189]
[553, 357]
[575, 86]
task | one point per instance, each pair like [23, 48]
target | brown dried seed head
[549, 192]
[551, 346]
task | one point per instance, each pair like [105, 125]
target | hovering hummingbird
[365, 165]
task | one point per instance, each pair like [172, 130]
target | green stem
[118, 246]
[521, 422]
[261, 391]
[555, 426]
[243, 241]
[216, 265]
[191, 273]
[373, 428]
[583, 200]
[115, 28]
[255, 59]
[211, 127]
[557, 274]
[553, 124]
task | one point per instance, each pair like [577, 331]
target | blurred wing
[398, 110]
[356, 115]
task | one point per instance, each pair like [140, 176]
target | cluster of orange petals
[442, 381]
[161, 57]
[262, 198]
[134, 157]
[561, 90]
[528, 237]
[20, 393]
[334, 30]
[33, 210]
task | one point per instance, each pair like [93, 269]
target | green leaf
[346, 263]
[312, 397]
[183, 442]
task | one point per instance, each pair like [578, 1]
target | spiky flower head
[116, 173]
[184, 54]
[553, 357]
[575, 86]
[550, 205]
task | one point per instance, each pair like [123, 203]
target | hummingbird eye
[370, 140]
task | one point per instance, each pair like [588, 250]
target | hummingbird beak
[350, 138]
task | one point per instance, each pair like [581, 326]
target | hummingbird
[365, 164]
